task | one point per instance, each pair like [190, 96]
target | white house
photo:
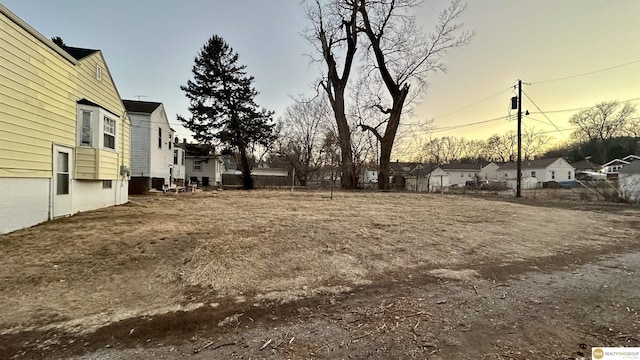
[613, 167]
[423, 180]
[152, 155]
[537, 172]
[489, 172]
[370, 176]
[459, 174]
[179, 171]
[202, 165]
[629, 182]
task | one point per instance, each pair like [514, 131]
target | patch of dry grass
[267, 246]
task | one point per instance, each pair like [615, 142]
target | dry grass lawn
[161, 253]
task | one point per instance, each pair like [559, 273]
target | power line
[542, 112]
[474, 103]
[587, 73]
[454, 127]
[578, 109]
[550, 131]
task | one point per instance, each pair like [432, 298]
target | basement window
[107, 184]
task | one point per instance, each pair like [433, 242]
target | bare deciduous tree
[334, 31]
[403, 55]
[400, 57]
[533, 142]
[301, 136]
[603, 122]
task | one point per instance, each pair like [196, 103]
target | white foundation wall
[89, 195]
[25, 202]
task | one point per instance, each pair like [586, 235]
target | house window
[107, 184]
[159, 138]
[169, 141]
[175, 157]
[197, 165]
[553, 175]
[62, 174]
[109, 133]
[85, 135]
[569, 175]
[96, 127]
[182, 159]
[533, 173]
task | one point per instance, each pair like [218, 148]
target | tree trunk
[384, 168]
[386, 142]
[247, 180]
[348, 176]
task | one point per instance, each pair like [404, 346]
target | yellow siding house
[64, 133]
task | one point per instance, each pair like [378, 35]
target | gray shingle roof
[463, 166]
[78, 53]
[585, 165]
[529, 164]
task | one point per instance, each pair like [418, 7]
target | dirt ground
[281, 275]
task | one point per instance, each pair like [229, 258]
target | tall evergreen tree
[222, 105]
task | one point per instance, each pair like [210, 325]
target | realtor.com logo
[615, 353]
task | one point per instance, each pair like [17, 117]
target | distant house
[586, 165]
[262, 176]
[613, 167]
[152, 153]
[424, 179]
[489, 172]
[64, 144]
[460, 173]
[629, 182]
[536, 172]
[202, 165]
[398, 172]
[370, 177]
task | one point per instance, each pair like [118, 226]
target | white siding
[460, 177]
[434, 182]
[25, 202]
[161, 157]
[140, 136]
[211, 168]
[561, 171]
[489, 172]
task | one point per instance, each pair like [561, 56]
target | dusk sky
[150, 45]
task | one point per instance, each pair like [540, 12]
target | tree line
[353, 124]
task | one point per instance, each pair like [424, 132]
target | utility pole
[519, 167]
